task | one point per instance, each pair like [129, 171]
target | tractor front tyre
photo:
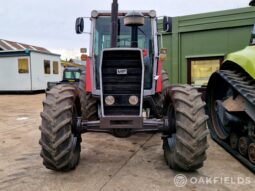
[59, 141]
[185, 142]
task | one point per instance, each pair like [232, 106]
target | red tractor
[123, 90]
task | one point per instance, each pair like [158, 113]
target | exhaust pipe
[114, 34]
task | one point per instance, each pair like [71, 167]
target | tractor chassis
[158, 125]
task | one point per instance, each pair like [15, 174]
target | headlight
[133, 100]
[109, 100]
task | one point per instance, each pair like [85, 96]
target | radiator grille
[121, 78]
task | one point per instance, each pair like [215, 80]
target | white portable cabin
[28, 70]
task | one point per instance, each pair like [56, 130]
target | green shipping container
[198, 43]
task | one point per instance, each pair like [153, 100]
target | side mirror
[167, 24]
[79, 25]
[252, 3]
[163, 54]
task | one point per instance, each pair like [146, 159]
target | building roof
[6, 45]
[70, 64]
[25, 52]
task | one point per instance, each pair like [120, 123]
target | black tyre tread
[158, 98]
[122, 133]
[88, 102]
[191, 130]
[243, 85]
[165, 80]
[57, 138]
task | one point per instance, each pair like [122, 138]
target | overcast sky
[50, 23]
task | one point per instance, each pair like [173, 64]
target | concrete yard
[107, 163]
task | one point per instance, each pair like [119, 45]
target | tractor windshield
[71, 75]
[102, 38]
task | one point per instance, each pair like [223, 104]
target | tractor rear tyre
[165, 80]
[88, 103]
[185, 143]
[159, 97]
[59, 141]
[122, 133]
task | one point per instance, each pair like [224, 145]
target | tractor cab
[71, 74]
[127, 30]
[123, 66]
[127, 36]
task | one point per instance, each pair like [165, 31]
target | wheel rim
[74, 121]
[170, 140]
[171, 119]
[251, 152]
[218, 93]
[77, 138]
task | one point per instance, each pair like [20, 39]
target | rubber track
[245, 86]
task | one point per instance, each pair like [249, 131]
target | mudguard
[244, 58]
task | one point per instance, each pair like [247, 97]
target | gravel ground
[107, 163]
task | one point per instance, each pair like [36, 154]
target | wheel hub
[251, 152]
[233, 140]
[243, 145]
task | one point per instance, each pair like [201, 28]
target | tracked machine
[231, 104]
[123, 90]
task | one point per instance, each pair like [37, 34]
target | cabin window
[55, 67]
[23, 65]
[200, 70]
[46, 67]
